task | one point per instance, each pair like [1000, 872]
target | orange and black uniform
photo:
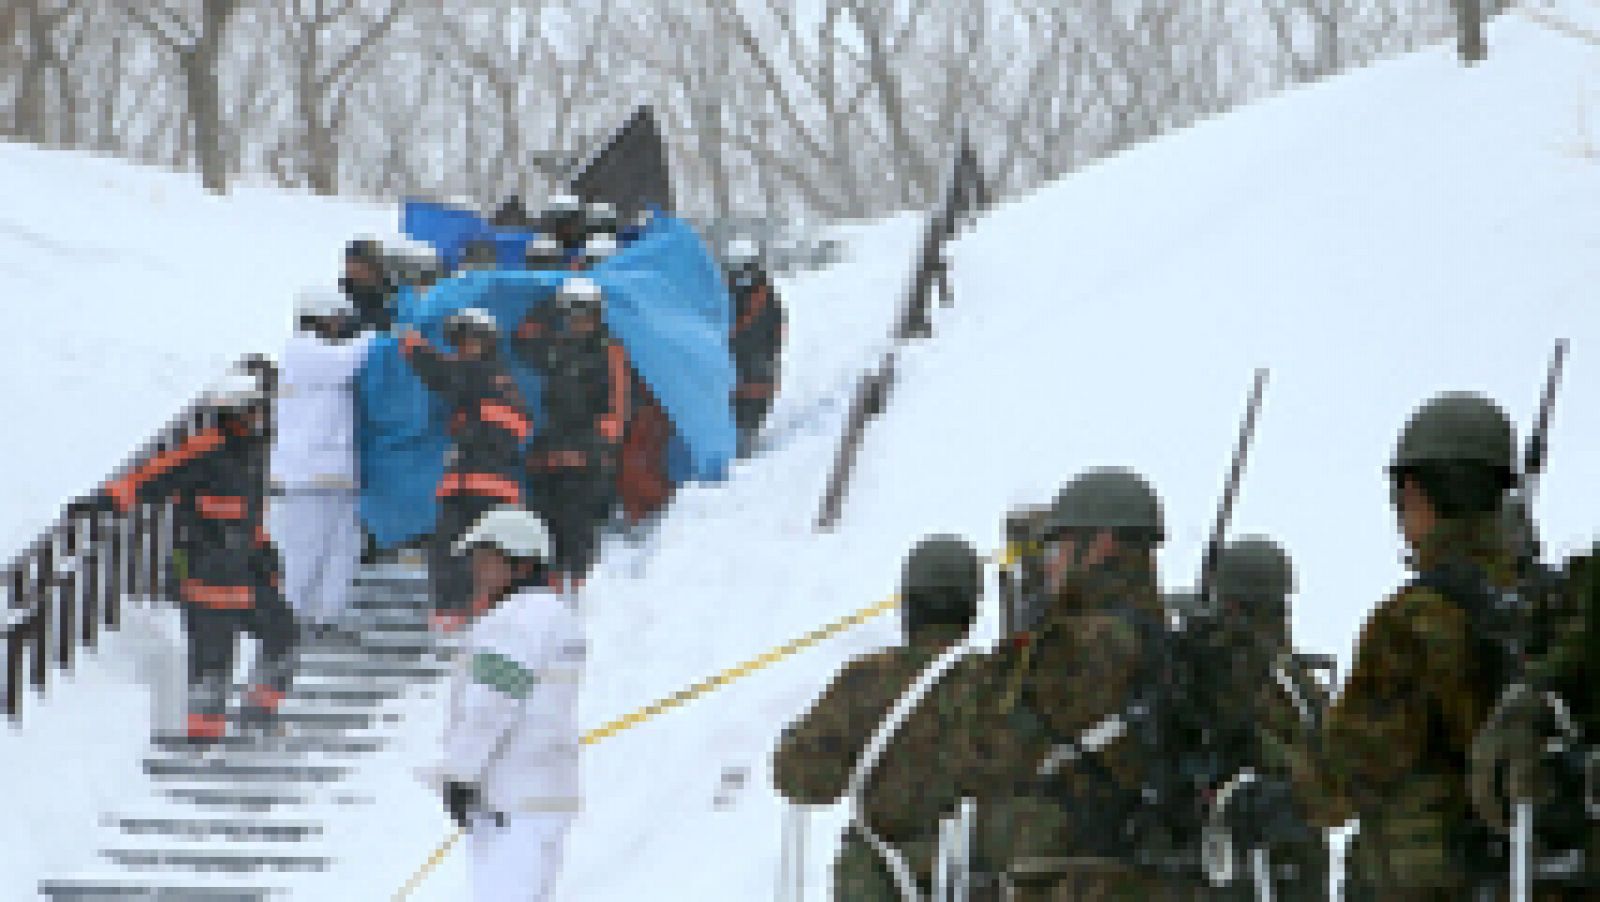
[227, 580]
[487, 426]
[572, 462]
[755, 339]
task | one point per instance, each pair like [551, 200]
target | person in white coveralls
[314, 510]
[508, 772]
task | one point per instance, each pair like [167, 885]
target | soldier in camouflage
[1065, 814]
[1282, 704]
[919, 778]
[1394, 747]
[1538, 745]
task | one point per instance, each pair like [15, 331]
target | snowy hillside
[126, 289]
[1399, 231]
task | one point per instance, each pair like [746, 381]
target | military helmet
[1457, 427]
[1253, 568]
[940, 582]
[1106, 498]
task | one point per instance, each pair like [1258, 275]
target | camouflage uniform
[1393, 750]
[920, 776]
[1070, 835]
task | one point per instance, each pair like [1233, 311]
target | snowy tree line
[827, 108]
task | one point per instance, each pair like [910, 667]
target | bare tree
[196, 43]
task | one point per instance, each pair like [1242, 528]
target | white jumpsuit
[512, 729]
[314, 516]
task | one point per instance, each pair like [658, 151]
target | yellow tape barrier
[677, 699]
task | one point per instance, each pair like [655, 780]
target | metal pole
[1261, 873]
[1521, 842]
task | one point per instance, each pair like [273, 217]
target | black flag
[630, 170]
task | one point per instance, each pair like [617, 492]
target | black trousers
[213, 636]
[574, 503]
[449, 575]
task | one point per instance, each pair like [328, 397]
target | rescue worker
[929, 758]
[1395, 744]
[509, 769]
[316, 483]
[1074, 823]
[602, 219]
[598, 249]
[224, 566]
[543, 252]
[572, 461]
[1282, 704]
[488, 423]
[756, 339]
[566, 219]
[367, 283]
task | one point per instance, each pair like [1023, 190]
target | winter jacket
[375, 305]
[488, 421]
[217, 477]
[756, 334]
[1393, 749]
[314, 413]
[586, 392]
[512, 723]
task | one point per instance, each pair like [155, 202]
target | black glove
[461, 800]
[1263, 813]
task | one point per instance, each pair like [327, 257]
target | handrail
[70, 582]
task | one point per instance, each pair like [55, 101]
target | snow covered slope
[124, 290]
[1402, 230]
[1408, 229]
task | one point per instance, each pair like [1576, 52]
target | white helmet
[323, 301]
[580, 294]
[513, 530]
[236, 389]
[564, 205]
[600, 248]
[741, 252]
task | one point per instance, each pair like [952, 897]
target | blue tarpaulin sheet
[667, 303]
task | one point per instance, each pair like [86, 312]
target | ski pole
[1521, 840]
[422, 873]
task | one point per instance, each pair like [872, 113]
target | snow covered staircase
[245, 821]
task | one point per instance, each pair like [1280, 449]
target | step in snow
[242, 859]
[241, 772]
[181, 828]
[340, 696]
[276, 745]
[215, 888]
[361, 668]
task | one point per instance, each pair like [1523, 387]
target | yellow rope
[428, 866]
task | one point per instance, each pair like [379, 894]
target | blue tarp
[665, 300]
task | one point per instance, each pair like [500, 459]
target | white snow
[1411, 228]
